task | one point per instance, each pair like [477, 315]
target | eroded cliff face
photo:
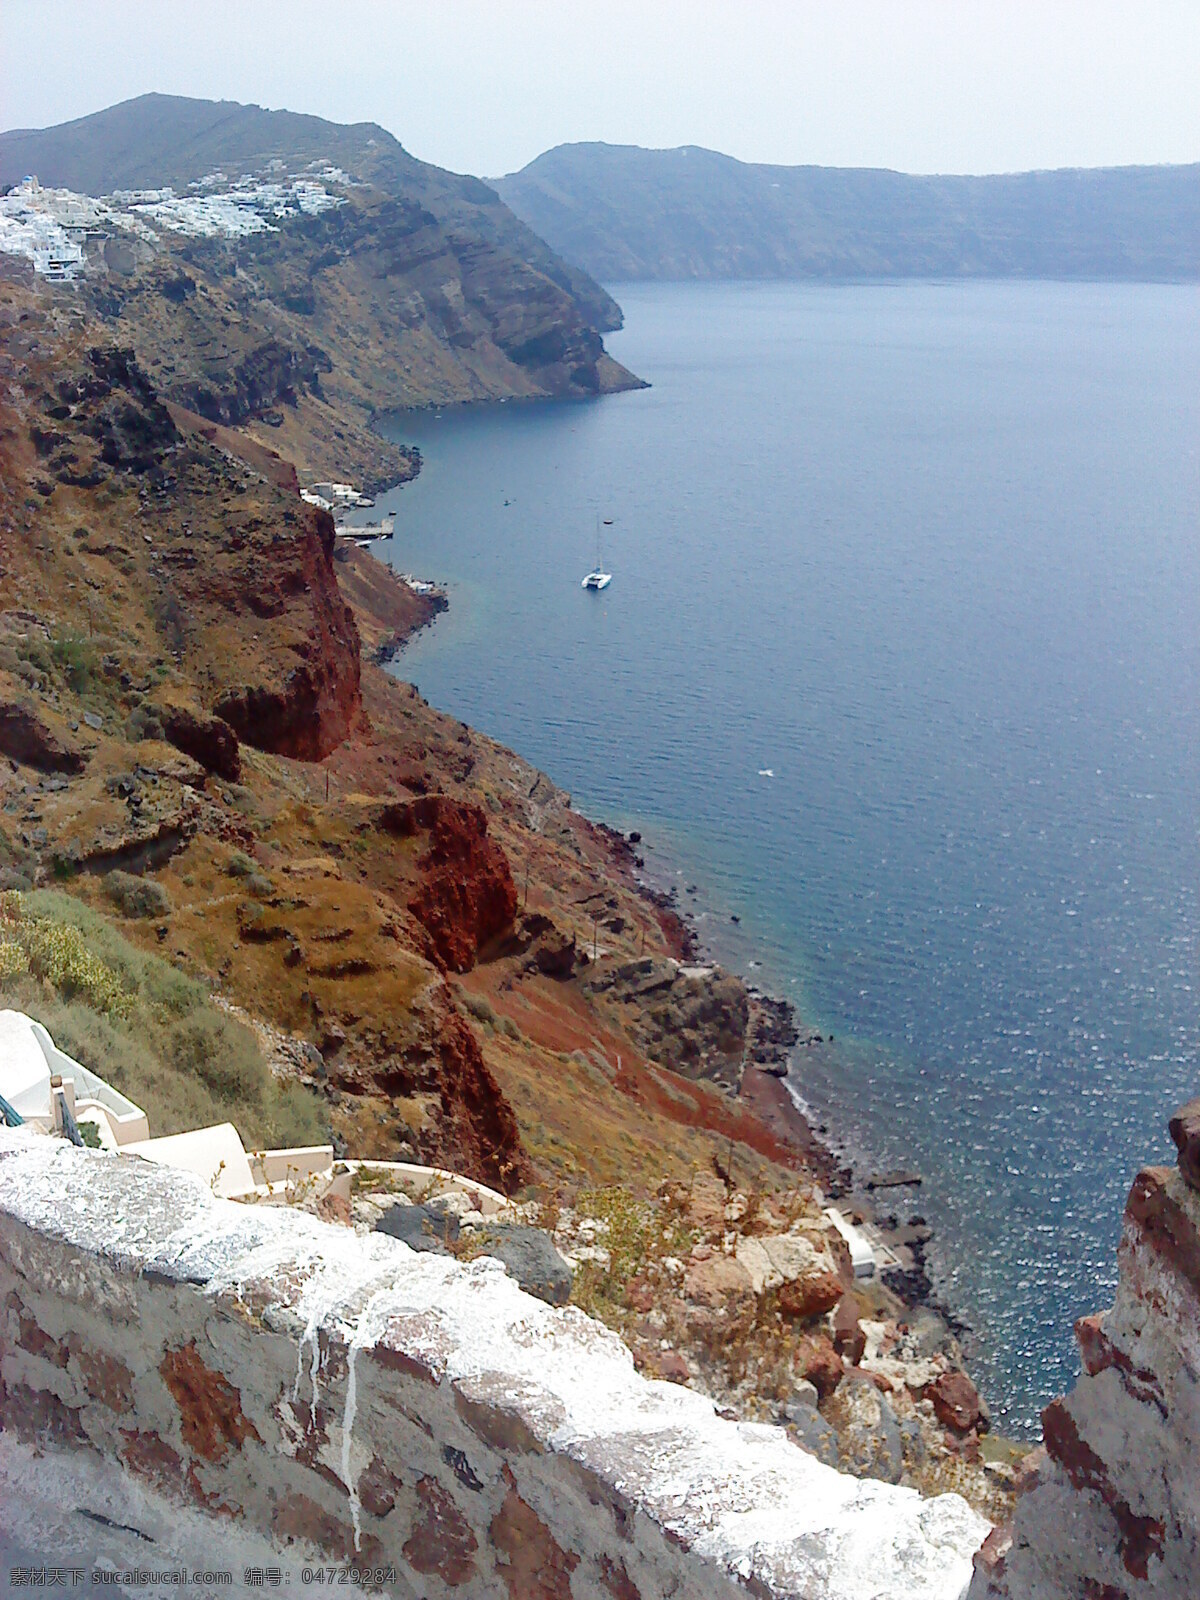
[197, 555]
[1113, 1510]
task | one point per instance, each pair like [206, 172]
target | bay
[928, 554]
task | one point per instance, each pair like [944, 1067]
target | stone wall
[1112, 1511]
[347, 1396]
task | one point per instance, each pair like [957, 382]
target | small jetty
[366, 532]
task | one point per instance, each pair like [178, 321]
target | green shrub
[151, 1031]
[75, 658]
[137, 897]
[220, 1052]
[479, 1007]
[13, 959]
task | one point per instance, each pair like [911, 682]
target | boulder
[812, 1433]
[868, 1431]
[529, 1256]
[811, 1296]
[673, 1367]
[819, 1362]
[26, 735]
[1184, 1128]
[420, 1227]
[849, 1336]
[713, 1282]
[207, 739]
[957, 1404]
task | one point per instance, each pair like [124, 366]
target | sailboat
[597, 578]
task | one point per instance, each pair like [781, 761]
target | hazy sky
[484, 85]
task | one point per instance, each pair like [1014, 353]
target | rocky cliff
[433, 949]
[626, 213]
[1111, 1509]
[392, 284]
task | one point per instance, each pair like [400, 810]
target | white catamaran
[597, 578]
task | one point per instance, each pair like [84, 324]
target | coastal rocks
[957, 1404]
[692, 1019]
[772, 1034]
[1112, 1512]
[1184, 1128]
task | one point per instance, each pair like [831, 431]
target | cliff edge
[1111, 1509]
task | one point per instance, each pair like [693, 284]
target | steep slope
[627, 213]
[318, 275]
[1109, 1509]
[159, 139]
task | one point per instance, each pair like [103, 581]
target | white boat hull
[597, 580]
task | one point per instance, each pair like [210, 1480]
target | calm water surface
[929, 554]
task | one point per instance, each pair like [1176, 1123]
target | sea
[899, 667]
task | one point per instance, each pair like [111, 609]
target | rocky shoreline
[773, 1032]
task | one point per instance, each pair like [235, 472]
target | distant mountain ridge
[623, 213]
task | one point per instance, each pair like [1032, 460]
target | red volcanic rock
[639, 1296]
[208, 740]
[299, 694]
[956, 1402]
[467, 895]
[25, 736]
[484, 1140]
[1184, 1128]
[810, 1296]
[849, 1340]
[673, 1367]
[819, 1362]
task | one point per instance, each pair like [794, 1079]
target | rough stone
[26, 735]
[535, 1567]
[820, 1363]
[956, 1402]
[210, 1408]
[529, 1256]
[420, 1227]
[849, 1335]
[868, 1430]
[803, 1398]
[813, 1433]
[810, 1296]
[1108, 1509]
[1185, 1130]
[441, 1541]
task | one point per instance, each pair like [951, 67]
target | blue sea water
[929, 553]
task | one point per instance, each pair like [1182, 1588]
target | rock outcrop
[1114, 1511]
[466, 895]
